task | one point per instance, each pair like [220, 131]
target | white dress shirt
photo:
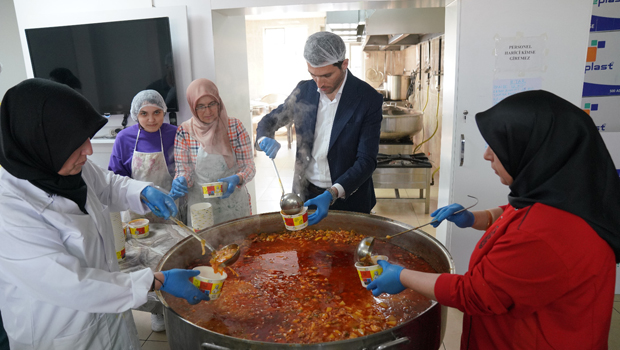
[317, 171]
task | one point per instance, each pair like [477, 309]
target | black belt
[315, 190]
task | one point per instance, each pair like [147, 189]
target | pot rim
[403, 226]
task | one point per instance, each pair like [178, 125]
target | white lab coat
[60, 285]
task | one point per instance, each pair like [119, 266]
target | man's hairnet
[323, 49]
[146, 98]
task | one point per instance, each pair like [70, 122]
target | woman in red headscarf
[212, 147]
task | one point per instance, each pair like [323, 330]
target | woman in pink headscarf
[213, 147]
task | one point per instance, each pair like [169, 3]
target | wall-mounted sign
[605, 16]
[520, 54]
[602, 76]
[503, 88]
[605, 112]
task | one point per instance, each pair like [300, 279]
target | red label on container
[205, 286]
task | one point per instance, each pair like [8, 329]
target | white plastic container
[119, 235]
[213, 189]
[210, 281]
[139, 228]
[368, 274]
[297, 221]
[202, 216]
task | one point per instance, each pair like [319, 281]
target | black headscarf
[41, 124]
[556, 156]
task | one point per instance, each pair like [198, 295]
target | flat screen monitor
[108, 63]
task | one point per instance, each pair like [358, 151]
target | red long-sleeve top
[539, 278]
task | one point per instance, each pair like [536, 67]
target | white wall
[232, 73]
[13, 69]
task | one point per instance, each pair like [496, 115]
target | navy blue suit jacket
[353, 145]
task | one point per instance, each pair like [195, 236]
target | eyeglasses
[211, 105]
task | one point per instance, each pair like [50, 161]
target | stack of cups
[202, 216]
[119, 236]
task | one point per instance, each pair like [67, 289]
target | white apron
[150, 167]
[210, 168]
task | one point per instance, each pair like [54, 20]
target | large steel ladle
[290, 203]
[364, 248]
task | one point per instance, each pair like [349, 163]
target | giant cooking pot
[425, 332]
[399, 122]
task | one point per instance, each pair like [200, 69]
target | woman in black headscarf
[543, 274]
[60, 286]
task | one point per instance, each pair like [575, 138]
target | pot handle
[403, 340]
[213, 346]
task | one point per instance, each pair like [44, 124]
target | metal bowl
[424, 332]
[399, 122]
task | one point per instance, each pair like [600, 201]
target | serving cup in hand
[202, 216]
[210, 281]
[139, 228]
[213, 189]
[297, 221]
[368, 274]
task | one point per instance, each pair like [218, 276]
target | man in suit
[337, 121]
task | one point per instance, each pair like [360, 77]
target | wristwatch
[334, 194]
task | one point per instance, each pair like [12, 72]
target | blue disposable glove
[179, 187]
[388, 281]
[322, 203]
[232, 182]
[161, 204]
[270, 147]
[462, 219]
[177, 282]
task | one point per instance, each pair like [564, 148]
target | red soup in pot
[303, 287]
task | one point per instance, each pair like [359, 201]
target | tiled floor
[268, 195]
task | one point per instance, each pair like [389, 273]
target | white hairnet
[146, 98]
[323, 49]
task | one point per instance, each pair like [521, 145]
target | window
[284, 64]
[356, 59]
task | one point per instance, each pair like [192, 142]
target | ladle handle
[434, 220]
[182, 225]
[177, 221]
[411, 229]
[278, 174]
